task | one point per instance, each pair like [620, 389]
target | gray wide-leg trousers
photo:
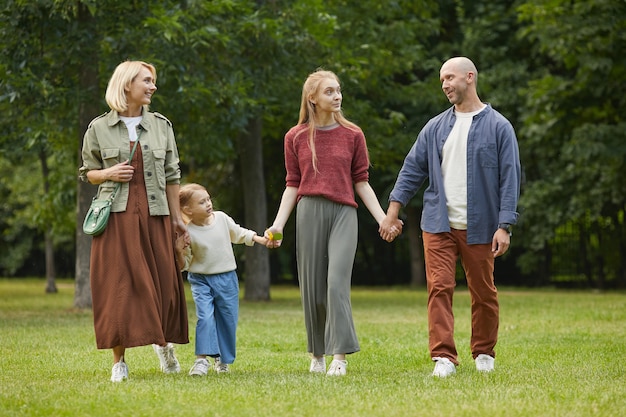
[326, 240]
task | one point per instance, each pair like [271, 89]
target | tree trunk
[583, 253]
[621, 224]
[89, 105]
[600, 259]
[51, 286]
[250, 146]
[416, 247]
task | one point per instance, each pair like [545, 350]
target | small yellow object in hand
[274, 235]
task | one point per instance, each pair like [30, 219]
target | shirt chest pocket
[488, 155]
[110, 156]
[159, 166]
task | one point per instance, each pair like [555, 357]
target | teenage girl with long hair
[326, 159]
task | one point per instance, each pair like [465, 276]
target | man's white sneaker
[221, 368]
[484, 363]
[318, 365]
[119, 372]
[443, 367]
[169, 363]
[200, 367]
[337, 368]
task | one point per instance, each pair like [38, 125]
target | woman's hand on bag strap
[122, 172]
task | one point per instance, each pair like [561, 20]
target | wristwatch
[507, 227]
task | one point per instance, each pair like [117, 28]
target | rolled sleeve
[510, 176]
[90, 154]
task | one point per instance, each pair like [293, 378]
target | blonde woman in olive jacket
[137, 289]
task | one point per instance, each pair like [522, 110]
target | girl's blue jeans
[217, 308]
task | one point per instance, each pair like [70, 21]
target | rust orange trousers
[441, 251]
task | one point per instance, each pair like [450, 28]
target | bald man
[470, 156]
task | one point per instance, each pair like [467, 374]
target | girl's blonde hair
[185, 194]
[121, 80]
[308, 114]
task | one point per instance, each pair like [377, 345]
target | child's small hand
[274, 237]
[182, 242]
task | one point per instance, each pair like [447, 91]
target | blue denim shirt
[493, 174]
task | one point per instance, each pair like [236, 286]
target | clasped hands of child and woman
[388, 229]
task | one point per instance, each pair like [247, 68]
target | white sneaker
[318, 365]
[119, 372]
[484, 363]
[169, 363]
[200, 367]
[443, 367]
[337, 368]
[221, 368]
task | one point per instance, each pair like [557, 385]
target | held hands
[274, 237]
[179, 228]
[261, 240]
[390, 228]
[183, 239]
[182, 242]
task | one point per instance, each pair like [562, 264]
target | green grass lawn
[561, 353]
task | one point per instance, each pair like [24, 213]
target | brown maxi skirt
[137, 290]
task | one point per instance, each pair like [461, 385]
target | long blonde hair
[121, 79]
[308, 113]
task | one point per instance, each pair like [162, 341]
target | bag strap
[132, 152]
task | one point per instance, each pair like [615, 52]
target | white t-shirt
[454, 169]
[131, 124]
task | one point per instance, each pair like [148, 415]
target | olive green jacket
[106, 143]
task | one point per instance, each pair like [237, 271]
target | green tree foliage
[230, 72]
[574, 134]
[36, 116]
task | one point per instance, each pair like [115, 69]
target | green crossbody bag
[98, 214]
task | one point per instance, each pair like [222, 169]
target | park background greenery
[229, 78]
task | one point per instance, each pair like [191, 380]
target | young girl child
[210, 261]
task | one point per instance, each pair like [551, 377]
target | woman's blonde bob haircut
[308, 112]
[120, 82]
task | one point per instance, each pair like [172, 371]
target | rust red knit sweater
[342, 160]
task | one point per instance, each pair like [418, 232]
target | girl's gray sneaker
[221, 368]
[200, 367]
